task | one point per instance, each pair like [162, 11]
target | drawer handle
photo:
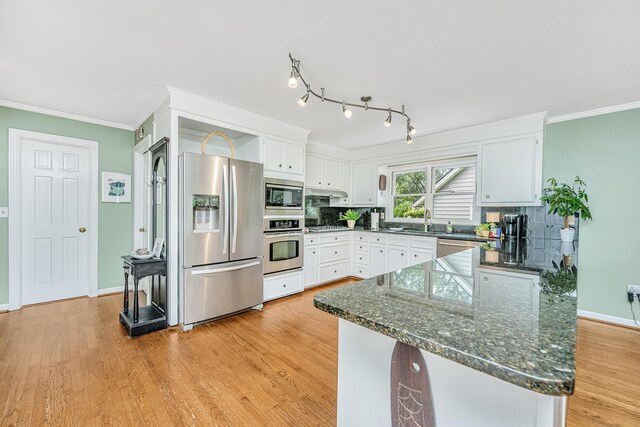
[415, 256]
[280, 165]
[381, 251]
[335, 252]
[335, 238]
[486, 279]
[319, 182]
[401, 254]
[289, 166]
[314, 252]
[335, 271]
[328, 183]
[487, 196]
[284, 285]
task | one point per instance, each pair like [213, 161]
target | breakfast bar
[472, 338]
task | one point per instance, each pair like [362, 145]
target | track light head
[346, 111]
[293, 79]
[409, 139]
[387, 122]
[410, 129]
[303, 101]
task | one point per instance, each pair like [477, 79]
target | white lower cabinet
[362, 254]
[280, 285]
[310, 265]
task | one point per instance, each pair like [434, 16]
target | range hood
[314, 192]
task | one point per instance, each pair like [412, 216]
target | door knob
[141, 229]
[82, 229]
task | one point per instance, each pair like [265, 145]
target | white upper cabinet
[283, 159]
[333, 174]
[314, 176]
[510, 172]
[364, 184]
[325, 173]
[294, 158]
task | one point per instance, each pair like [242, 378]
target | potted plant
[566, 200]
[351, 217]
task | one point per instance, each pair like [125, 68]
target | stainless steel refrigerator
[221, 236]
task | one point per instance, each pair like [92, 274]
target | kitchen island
[478, 338]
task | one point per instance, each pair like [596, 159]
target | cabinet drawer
[310, 240]
[336, 252]
[361, 257]
[360, 271]
[418, 256]
[282, 285]
[376, 238]
[334, 271]
[398, 241]
[424, 243]
[334, 238]
[363, 247]
[360, 237]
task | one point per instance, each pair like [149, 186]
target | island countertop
[498, 310]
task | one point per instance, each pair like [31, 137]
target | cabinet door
[418, 256]
[314, 172]
[310, 266]
[364, 183]
[378, 260]
[398, 258]
[510, 172]
[274, 160]
[346, 184]
[294, 159]
[333, 174]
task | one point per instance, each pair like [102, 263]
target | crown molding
[595, 112]
[62, 114]
[152, 108]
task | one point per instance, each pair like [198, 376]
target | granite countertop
[440, 235]
[487, 308]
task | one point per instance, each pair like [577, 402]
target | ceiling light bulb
[411, 130]
[303, 101]
[387, 122]
[293, 79]
[409, 139]
[346, 111]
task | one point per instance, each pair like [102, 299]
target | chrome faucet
[427, 218]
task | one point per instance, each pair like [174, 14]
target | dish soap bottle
[449, 227]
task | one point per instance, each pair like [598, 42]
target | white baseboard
[120, 289]
[607, 318]
[4, 307]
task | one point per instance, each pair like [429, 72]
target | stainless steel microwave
[283, 197]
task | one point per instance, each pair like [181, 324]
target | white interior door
[55, 214]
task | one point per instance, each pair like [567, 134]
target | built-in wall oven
[283, 244]
[283, 197]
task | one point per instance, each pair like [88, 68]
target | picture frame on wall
[116, 187]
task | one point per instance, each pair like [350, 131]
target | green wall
[115, 220]
[605, 152]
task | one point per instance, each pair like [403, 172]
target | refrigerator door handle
[225, 189]
[234, 196]
[222, 269]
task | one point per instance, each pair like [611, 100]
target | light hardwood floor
[71, 363]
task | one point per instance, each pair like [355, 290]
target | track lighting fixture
[303, 101]
[293, 79]
[387, 122]
[348, 113]
[293, 83]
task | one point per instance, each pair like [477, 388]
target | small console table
[142, 320]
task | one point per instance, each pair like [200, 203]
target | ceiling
[453, 64]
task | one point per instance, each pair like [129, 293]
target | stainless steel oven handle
[234, 186]
[286, 187]
[223, 269]
[276, 235]
[225, 190]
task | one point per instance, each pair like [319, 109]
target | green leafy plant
[566, 200]
[561, 282]
[405, 210]
[483, 227]
[350, 215]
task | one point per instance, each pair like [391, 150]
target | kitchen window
[446, 188]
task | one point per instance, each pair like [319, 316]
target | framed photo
[158, 247]
[116, 187]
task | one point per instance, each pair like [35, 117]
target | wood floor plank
[71, 363]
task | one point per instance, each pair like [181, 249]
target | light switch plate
[4, 212]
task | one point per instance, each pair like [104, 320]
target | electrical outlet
[634, 289]
[4, 212]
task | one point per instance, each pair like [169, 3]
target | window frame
[428, 167]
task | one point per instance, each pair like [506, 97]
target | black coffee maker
[513, 226]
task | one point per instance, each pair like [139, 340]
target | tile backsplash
[329, 215]
[538, 223]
